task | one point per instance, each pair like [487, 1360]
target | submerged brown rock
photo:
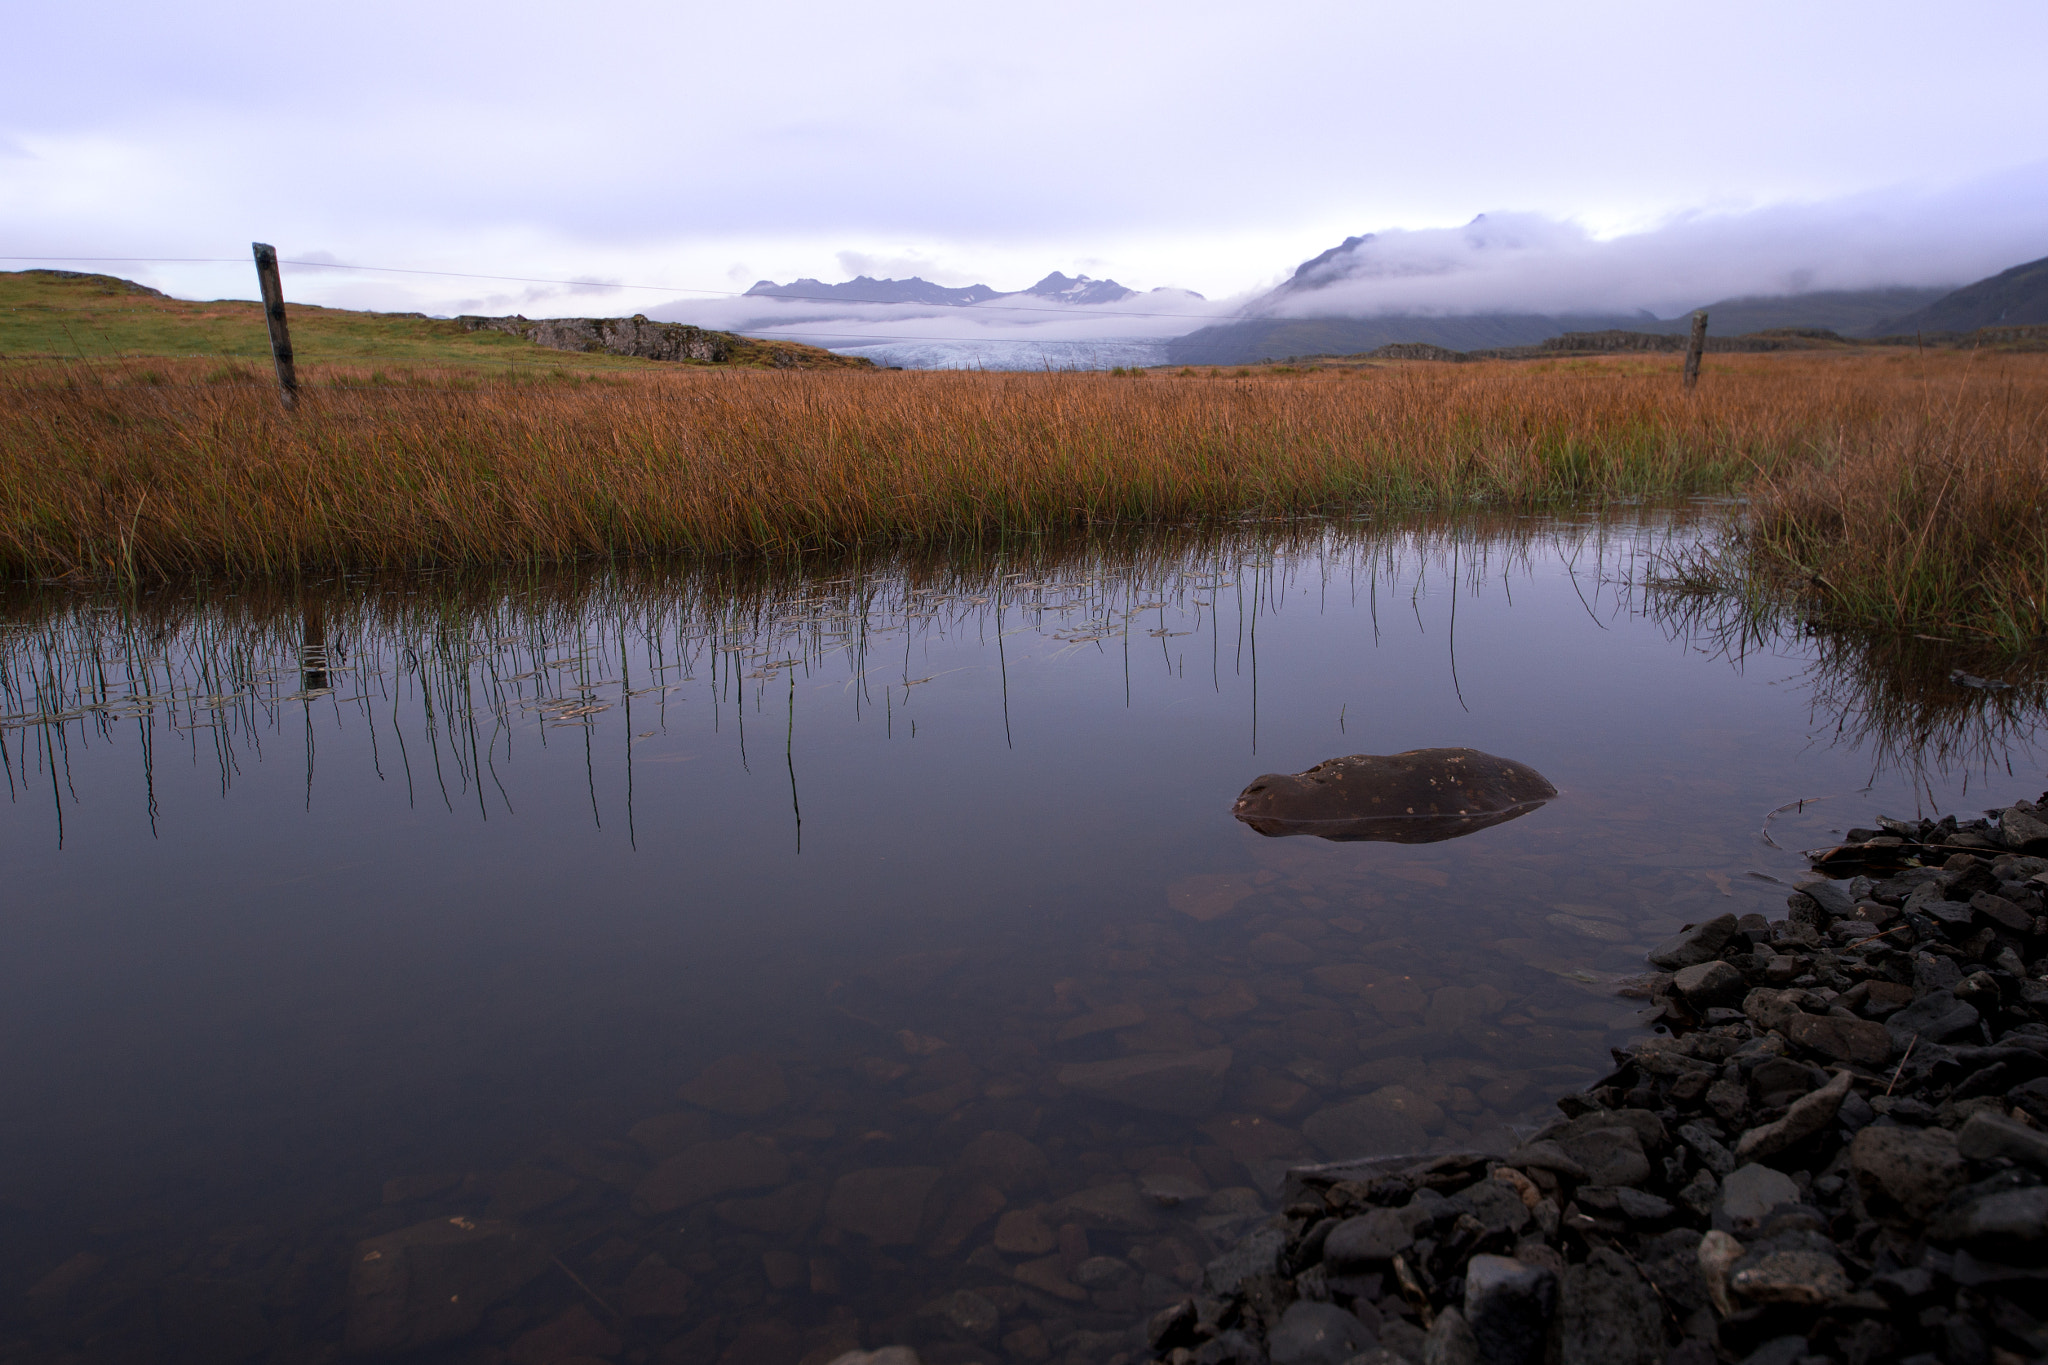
[1418, 797]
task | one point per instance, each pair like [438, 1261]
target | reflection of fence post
[273, 313]
[1696, 347]
[312, 649]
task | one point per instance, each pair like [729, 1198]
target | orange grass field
[1888, 487]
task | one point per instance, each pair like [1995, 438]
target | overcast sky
[1205, 146]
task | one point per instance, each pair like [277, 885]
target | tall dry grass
[1933, 517]
[127, 473]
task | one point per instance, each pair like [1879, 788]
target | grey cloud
[1532, 263]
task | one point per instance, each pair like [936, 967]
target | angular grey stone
[1700, 1192]
[1186, 1084]
[1317, 1334]
[1708, 984]
[2031, 1097]
[1450, 1342]
[1607, 1312]
[1987, 1135]
[1231, 1348]
[1935, 1017]
[1663, 1055]
[1508, 1304]
[1546, 1156]
[2020, 830]
[1786, 1350]
[1933, 973]
[1647, 1126]
[1698, 944]
[1609, 1155]
[2002, 912]
[1861, 1041]
[1257, 1253]
[1711, 1153]
[1831, 896]
[2003, 1219]
[1906, 1171]
[1795, 1276]
[1498, 1207]
[1377, 1235]
[1641, 1207]
[1780, 1080]
[1672, 1261]
[1808, 1115]
[1750, 1192]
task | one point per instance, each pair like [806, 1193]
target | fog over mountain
[866, 289]
[1858, 265]
[1062, 321]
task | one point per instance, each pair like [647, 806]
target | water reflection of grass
[452, 664]
[1938, 708]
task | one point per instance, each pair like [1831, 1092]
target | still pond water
[758, 955]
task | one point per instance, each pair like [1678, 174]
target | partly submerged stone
[1184, 1083]
[1417, 797]
[433, 1281]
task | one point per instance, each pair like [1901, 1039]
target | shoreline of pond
[1833, 1148]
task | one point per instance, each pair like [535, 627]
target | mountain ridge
[1260, 332]
[2017, 297]
[1079, 290]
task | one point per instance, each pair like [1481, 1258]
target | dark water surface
[749, 944]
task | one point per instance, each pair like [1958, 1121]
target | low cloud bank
[1528, 263]
[1499, 263]
[1012, 332]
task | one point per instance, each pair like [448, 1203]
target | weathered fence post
[273, 313]
[1696, 347]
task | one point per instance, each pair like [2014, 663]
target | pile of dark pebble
[1831, 1147]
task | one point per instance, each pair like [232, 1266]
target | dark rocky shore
[1830, 1148]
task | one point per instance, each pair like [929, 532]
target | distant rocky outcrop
[672, 341]
[109, 284]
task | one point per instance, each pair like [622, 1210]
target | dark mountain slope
[2012, 298]
[1256, 339]
[1852, 312]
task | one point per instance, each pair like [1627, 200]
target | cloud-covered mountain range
[1860, 265]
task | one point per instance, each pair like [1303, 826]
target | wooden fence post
[1695, 348]
[273, 313]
